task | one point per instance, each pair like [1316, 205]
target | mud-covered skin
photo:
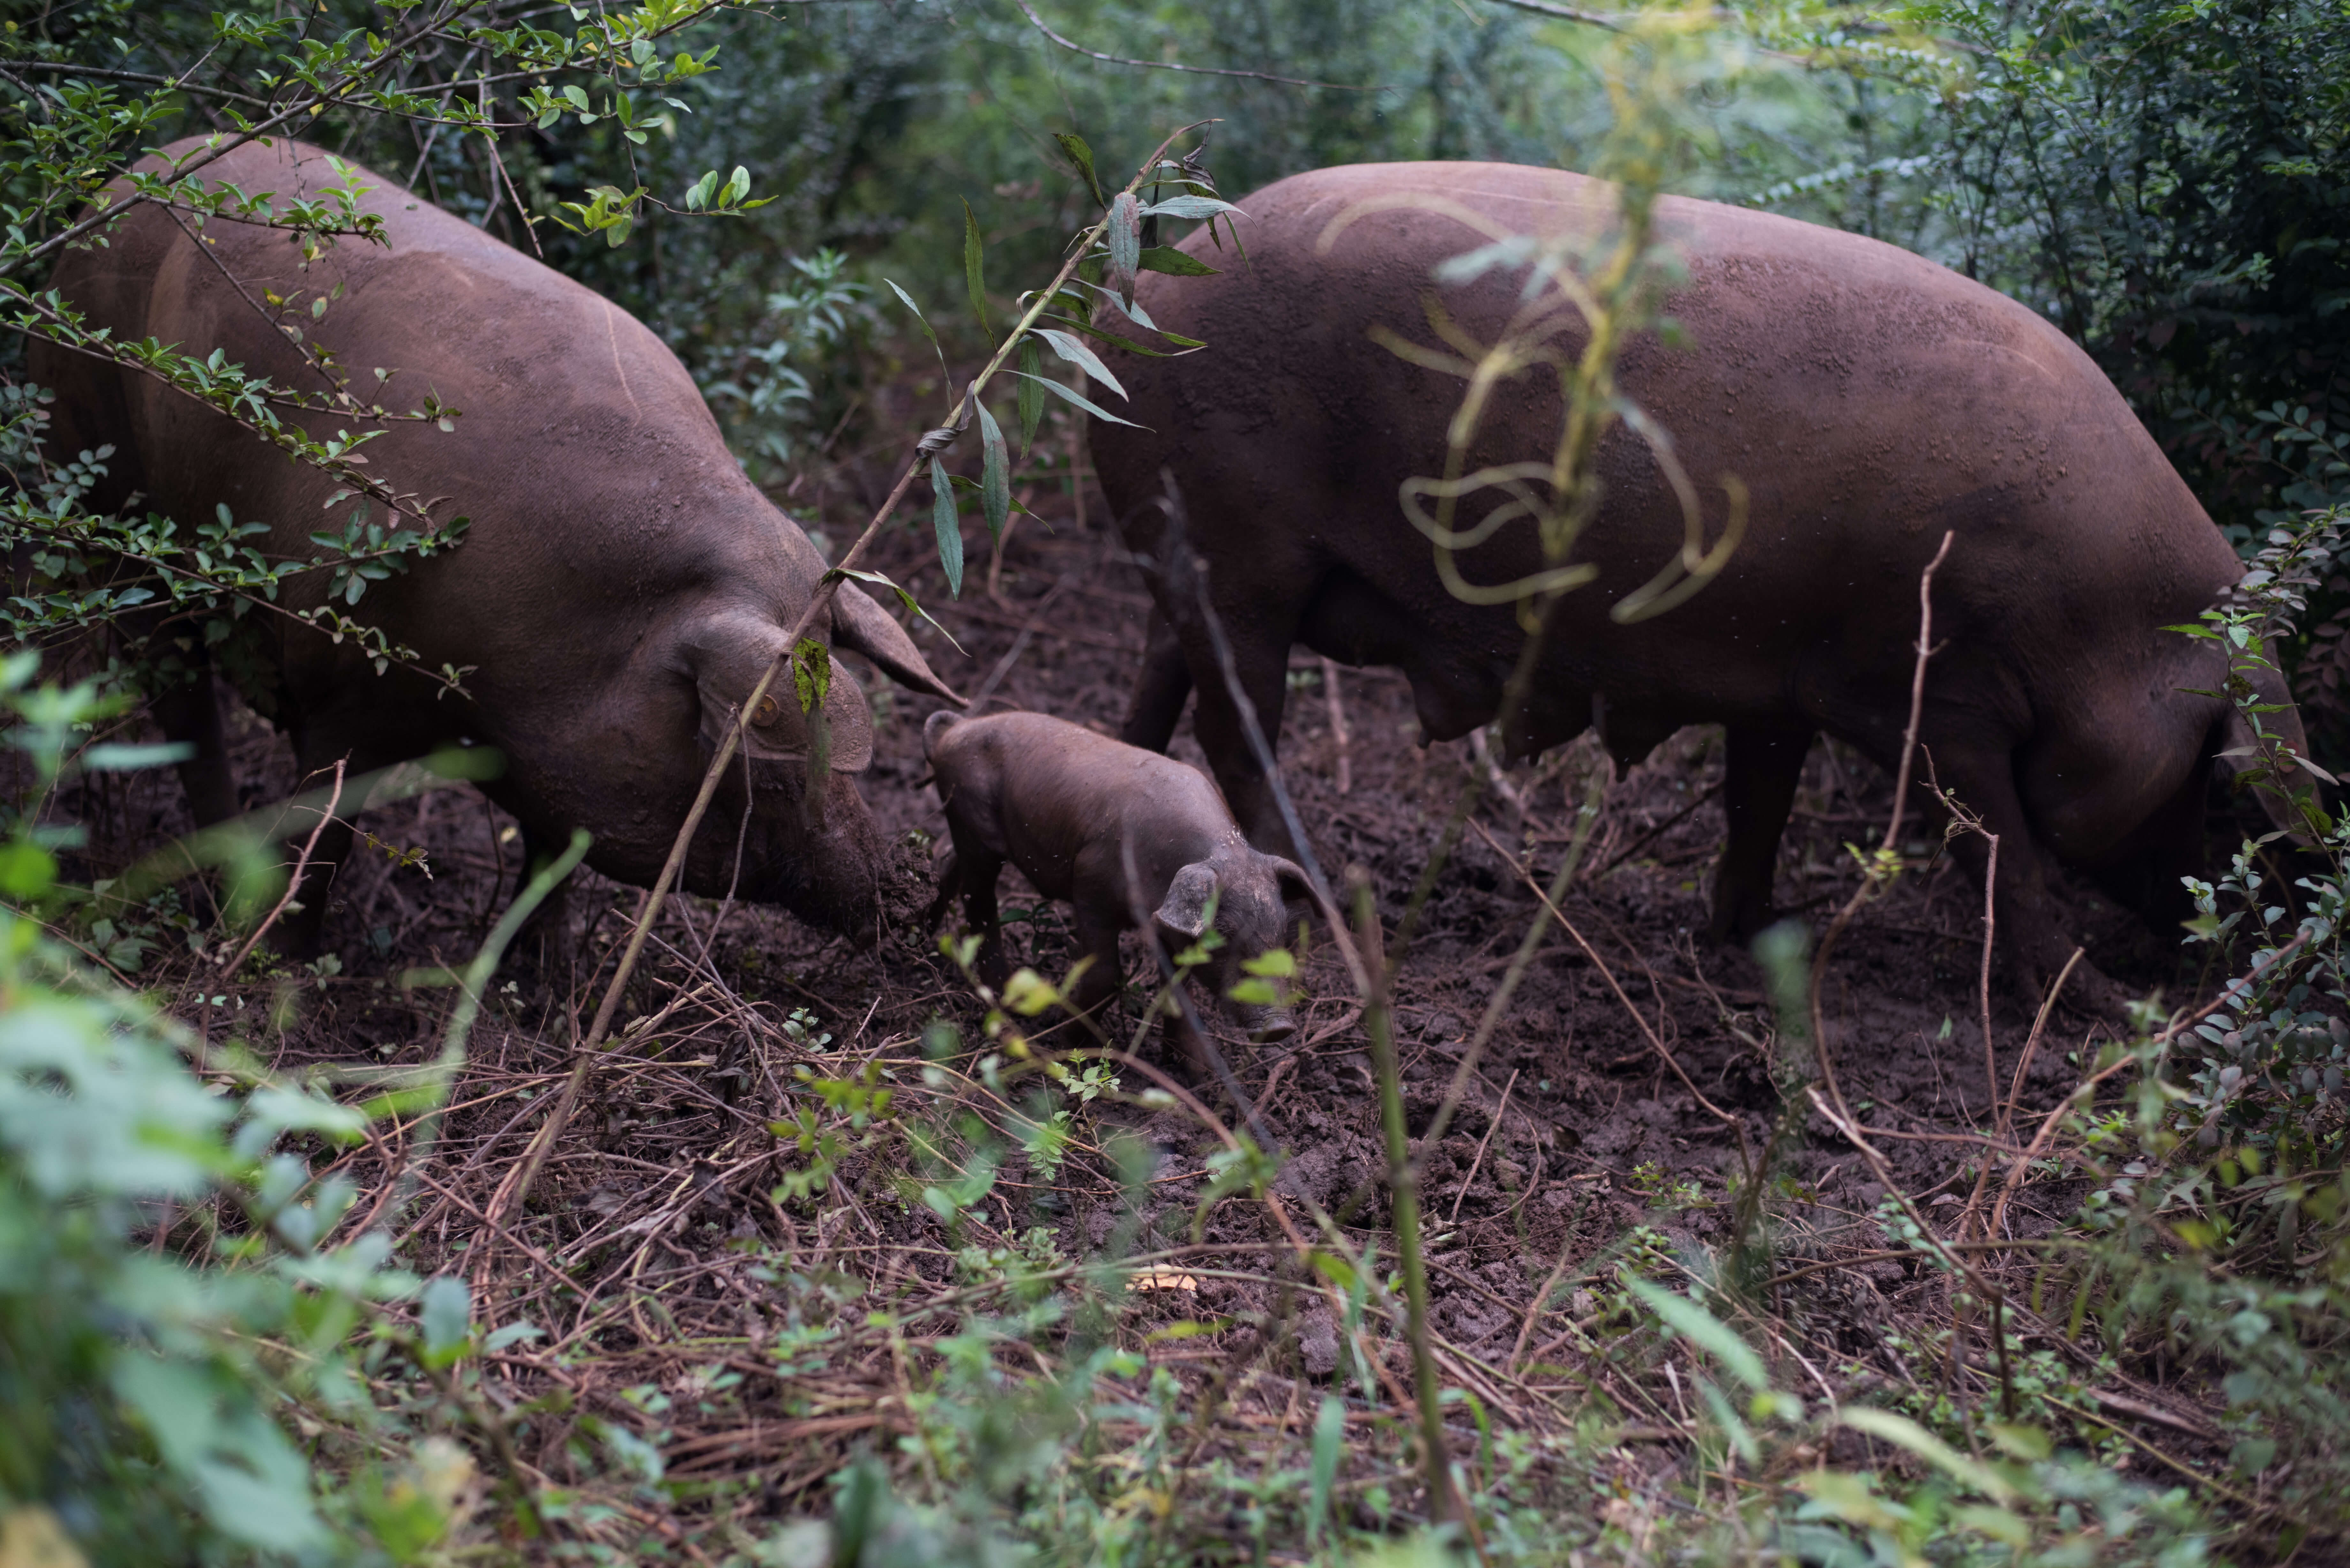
[622, 585]
[1075, 810]
[1870, 400]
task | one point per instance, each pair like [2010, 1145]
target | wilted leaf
[1124, 237]
[1164, 1280]
[904, 598]
[1189, 207]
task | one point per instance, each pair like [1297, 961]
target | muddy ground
[1574, 1128]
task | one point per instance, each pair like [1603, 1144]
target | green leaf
[1335, 1269]
[1702, 1329]
[1179, 263]
[1070, 394]
[995, 475]
[972, 251]
[445, 1314]
[922, 321]
[1996, 1523]
[1329, 1438]
[1029, 993]
[115, 757]
[27, 871]
[1032, 396]
[1072, 348]
[1083, 157]
[950, 527]
[1903, 1432]
[1130, 344]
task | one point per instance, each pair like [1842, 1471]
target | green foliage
[141, 1390]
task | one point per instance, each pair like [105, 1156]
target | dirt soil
[1574, 1128]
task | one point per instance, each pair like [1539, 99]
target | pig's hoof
[1739, 924]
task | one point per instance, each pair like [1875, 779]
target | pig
[1113, 831]
[1870, 400]
[622, 585]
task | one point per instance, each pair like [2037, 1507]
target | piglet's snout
[1268, 1025]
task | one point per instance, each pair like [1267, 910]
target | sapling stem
[1403, 1191]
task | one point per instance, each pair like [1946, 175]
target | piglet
[1113, 830]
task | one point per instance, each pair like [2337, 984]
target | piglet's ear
[1185, 909]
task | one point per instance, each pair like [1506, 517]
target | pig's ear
[1295, 887]
[863, 627]
[1184, 911]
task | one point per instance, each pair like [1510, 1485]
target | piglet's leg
[1104, 977]
[977, 867]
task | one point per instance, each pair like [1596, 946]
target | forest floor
[710, 1341]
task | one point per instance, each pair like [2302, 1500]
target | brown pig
[1869, 401]
[621, 589]
[1115, 832]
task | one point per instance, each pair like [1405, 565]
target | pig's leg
[1161, 689]
[190, 715]
[1760, 770]
[553, 915]
[315, 754]
[1260, 636]
[2032, 939]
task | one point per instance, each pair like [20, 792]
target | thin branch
[294, 882]
[169, 84]
[1613, 23]
[1077, 48]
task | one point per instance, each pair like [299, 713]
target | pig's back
[1867, 400]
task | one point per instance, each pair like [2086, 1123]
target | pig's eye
[765, 713]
